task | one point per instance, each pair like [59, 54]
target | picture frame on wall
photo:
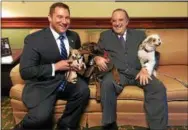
[6, 52]
[5, 47]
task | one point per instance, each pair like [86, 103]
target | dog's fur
[77, 61]
[146, 52]
[92, 70]
[96, 50]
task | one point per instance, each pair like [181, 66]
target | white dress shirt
[66, 42]
[124, 35]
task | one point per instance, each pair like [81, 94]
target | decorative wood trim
[96, 23]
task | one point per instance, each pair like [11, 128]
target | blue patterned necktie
[63, 57]
[63, 49]
[122, 40]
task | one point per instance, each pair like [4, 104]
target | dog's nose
[159, 44]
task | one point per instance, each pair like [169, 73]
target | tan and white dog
[77, 61]
[146, 52]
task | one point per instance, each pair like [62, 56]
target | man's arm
[101, 62]
[66, 63]
[143, 76]
[30, 67]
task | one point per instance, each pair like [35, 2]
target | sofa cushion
[174, 48]
[128, 106]
[175, 91]
[84, 36]
[94, 36]
[15, 75]
[180, 72]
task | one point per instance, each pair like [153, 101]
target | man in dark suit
[122, 45]
[43, 66]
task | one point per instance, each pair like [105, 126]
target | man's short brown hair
[58, 4]
[123, 10]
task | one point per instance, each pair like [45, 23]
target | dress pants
[155, 101]
[41, 116]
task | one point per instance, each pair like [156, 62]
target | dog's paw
[155, 73]
[74, 81]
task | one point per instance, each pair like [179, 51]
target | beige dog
[77, 61]
[146, 52]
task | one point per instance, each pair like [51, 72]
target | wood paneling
[96, 23]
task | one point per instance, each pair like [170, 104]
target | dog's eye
[154, 40]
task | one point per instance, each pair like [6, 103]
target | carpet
[7, 120]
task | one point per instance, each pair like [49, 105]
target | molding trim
[96, 23]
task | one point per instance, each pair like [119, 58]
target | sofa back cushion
[174, 48]
[83, 33]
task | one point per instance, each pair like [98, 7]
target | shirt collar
[124, 35]
[55, 34]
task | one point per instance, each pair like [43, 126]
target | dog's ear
[150, 40]
[147, 40]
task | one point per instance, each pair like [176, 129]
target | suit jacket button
[126, 70]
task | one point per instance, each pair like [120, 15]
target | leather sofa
[172, 71]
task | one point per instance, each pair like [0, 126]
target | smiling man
[122, 45]
[43, 66]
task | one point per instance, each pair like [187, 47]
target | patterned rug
[7, 120]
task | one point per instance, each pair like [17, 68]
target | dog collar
[146, 50]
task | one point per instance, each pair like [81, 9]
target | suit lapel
[51, 42]
[116, 38]
[130, 42]
[128, 37]
[70, 39]
[118, 44]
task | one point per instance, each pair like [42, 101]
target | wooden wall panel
[96, 23]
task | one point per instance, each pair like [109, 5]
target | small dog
[77, 61]
[95, 50]
[147, 52]
[92, 71]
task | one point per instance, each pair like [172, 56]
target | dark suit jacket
[40, 51]
[126, 60]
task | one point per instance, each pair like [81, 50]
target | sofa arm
[15, 75]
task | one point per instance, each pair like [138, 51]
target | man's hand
[63, 65]
[75, 66]
[143, 76]
[101, 63]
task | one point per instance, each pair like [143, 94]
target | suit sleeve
[101, 42]
[30, 67]
[132, 70]
[142, 36]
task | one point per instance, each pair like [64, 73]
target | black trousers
[41, 116]
[155, 101]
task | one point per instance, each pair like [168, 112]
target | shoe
[112, 126]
